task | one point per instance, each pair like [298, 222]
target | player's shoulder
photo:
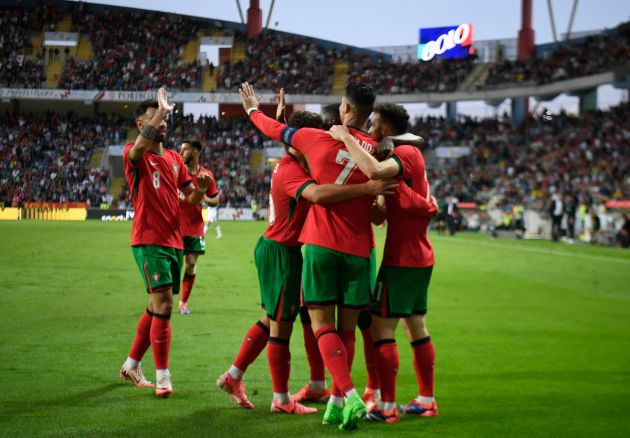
[127, 147]
[288, 165]
[206, 170]
[362, 136]
[407, 151]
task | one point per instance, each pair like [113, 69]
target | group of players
[325, 193]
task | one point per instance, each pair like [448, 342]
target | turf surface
[532, 339]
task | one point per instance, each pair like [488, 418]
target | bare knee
[162, 302]
[280, 330]
[416, 327]
[321, 317]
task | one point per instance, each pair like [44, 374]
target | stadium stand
[118, 55]
[576, 58]
[46, 157]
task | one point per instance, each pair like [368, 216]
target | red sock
[160, 340]
[254, 342]
[315, 361]
[187, 285]
[424, 361]
[279, 359]
[387, 364]
[349, 340]
[143, 337]
[370, 359]
[335, 357]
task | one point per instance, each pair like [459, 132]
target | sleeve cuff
[298, 194]
[400, 166]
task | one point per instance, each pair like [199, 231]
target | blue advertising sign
[445, 42]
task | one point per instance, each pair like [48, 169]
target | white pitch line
[600, 258]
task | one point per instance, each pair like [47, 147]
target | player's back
[407, 241]
[286, 214]
[341, 226]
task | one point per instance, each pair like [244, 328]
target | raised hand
[163, 101]
[339, 132]
[248, 97]
[281, 106]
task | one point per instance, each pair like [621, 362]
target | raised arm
[370, 166]
[149, 134]
[268, 126]
[329, 193]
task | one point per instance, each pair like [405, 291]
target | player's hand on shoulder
[339, 132]
[382, 187]
[385, 148]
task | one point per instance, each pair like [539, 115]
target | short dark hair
[196, 144]
[361, 97]
[142, 107]
[394, 115]
[305, 119]
[330, 115]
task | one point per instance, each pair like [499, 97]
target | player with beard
[155, 176]
[407, 264]
[278, 259]
[192, 219]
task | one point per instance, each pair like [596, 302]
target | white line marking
[600, 258]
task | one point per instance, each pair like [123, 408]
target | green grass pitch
[532, 339]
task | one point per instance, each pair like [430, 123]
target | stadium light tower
[254, 19]
[520, 105]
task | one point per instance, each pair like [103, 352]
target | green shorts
[401, 292]
[332, 277]
[194, 245]
[279, 275]
[372, 270]
[160, 266]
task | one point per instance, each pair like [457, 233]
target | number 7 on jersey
[343, 156]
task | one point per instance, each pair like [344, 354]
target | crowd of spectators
[581, 162]
[46, 157]
[274, 61]
[21, 64]
[436, 76]
[132, 57]
[594, 54]
[133, 50]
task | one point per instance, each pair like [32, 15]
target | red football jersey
[153, 181]
[191, 218]
[342, 226]
[287, 209]
[407, 242]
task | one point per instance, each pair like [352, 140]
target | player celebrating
[406, 268]
[155, 175]
[192, 220]
[279, 262]
[338, 241]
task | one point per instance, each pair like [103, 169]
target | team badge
[175, 168]
[156, 277]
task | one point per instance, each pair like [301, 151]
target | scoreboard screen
[445, 42]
